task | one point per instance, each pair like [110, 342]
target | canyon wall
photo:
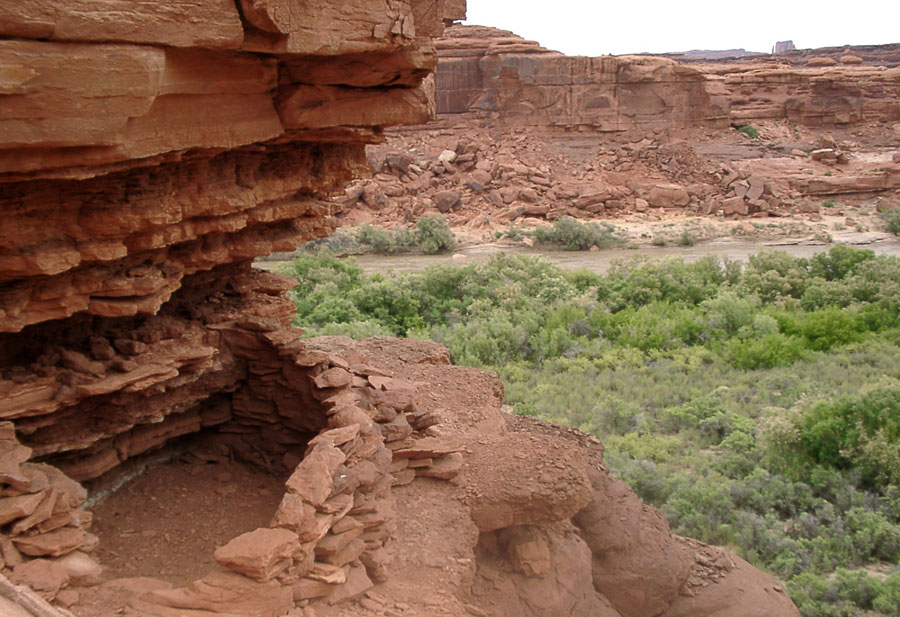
[494, 73]
[148, 153]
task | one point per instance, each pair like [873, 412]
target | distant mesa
[783, 46]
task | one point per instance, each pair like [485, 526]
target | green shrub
[381, 240]
[861, 431]
[891, 220]
[434, 235]
[338, 243]
[514, 233]
[775, 276]
[849, 593]
[749, 131]
[686, 239]
[574, 235]
[838, 262]
[728, 312]
[768, 351]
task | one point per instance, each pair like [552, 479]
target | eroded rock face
[494, 72]
[488, 70]
[149, 152]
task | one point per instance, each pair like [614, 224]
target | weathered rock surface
[489, 71]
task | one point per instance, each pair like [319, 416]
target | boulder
[668, 196]
[735, 206]
[52, 544]
[358, 583]
[447, 200]
[218, 593]
[821, 61]
[42, 575]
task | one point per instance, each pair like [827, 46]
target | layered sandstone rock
[494, 72]
[488, 70]
[831, 95]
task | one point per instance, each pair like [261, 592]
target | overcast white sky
[598, 27]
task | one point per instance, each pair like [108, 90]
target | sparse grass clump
[749, 131]
[686, 239]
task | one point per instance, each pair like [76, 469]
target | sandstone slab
[261, 554]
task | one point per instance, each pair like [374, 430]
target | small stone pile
[746, 195]
[829, 152]
[43, 530]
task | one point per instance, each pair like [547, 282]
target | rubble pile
[488, 177]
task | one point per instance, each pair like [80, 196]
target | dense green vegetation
[757, 406]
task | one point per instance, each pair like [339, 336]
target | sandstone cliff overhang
[143, 142]
[149, 151]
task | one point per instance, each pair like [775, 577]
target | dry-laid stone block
[261, 554]
[312, 480]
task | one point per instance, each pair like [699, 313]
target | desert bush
[433, 234]
[686, 239]
[767, 351]
[338, 243]
[774, 277]
[861, 431]
[891, 220]
[749, 131]
[728, 312]
[380, 240]
[574, 235]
